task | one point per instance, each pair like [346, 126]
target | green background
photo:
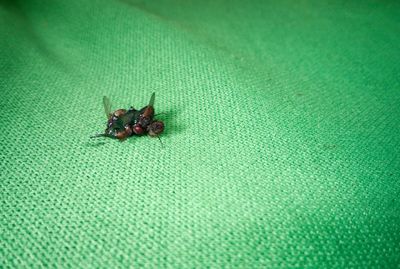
[281, 146]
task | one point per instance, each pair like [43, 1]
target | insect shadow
[95, 144]
[172, 126]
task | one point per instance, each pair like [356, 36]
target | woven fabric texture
[281, 146]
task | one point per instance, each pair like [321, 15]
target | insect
[123, 123]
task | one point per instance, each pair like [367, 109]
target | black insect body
[123, 123]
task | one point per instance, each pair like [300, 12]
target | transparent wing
[107, 106]
[153, 96]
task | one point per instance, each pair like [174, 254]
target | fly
[123, 123]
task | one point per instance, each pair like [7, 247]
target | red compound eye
[156, 128]
[137, 129]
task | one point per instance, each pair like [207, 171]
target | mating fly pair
[123, 123]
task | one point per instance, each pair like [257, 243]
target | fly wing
[151, 103]
[148, 111]
[107, 106]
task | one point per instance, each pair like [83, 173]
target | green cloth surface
[281, 146]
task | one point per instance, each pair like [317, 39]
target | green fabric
[281, 146]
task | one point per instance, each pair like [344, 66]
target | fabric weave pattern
[281, 140]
